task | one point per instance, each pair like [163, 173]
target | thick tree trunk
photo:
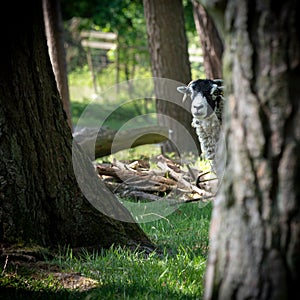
[169, 59]
[255, 229]
[40, 198]
[211, 43]
[55, 41]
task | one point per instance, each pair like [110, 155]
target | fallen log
[107, 141]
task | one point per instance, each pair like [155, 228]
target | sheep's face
[205, 94]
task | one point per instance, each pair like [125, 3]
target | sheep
[206, 108]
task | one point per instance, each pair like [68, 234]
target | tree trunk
[169, 59]
[255, 228]
[55, 41]
[211, 43]
[40, 199]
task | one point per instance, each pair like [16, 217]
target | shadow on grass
[109, 292]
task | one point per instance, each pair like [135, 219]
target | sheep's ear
[182, 89]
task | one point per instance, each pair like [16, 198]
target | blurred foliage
[123, 17]
[119, 16]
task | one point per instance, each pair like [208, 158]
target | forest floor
[176, 272]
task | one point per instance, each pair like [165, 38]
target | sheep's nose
[198, 106]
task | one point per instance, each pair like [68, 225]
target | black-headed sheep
[206, 108]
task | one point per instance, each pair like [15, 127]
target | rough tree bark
[40, 198]
[255, 228]
[169, 59]
[211, 43]
[55, 41]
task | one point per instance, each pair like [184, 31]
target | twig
[5, 265]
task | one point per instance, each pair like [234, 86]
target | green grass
[110, 107]
[122, 274]
[178, 274]
[113, 115]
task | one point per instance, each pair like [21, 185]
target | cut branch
[136, 180]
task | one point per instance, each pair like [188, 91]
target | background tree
[169, 59]
[40, 199]
[55, 40]
[255, 227]
[211, 43]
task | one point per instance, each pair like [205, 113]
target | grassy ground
[110, 106]
[120, 274]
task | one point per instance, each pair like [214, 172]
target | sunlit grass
[113, 115]
[175, 271]
[81, 83]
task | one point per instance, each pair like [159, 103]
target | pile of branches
[164, 179]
